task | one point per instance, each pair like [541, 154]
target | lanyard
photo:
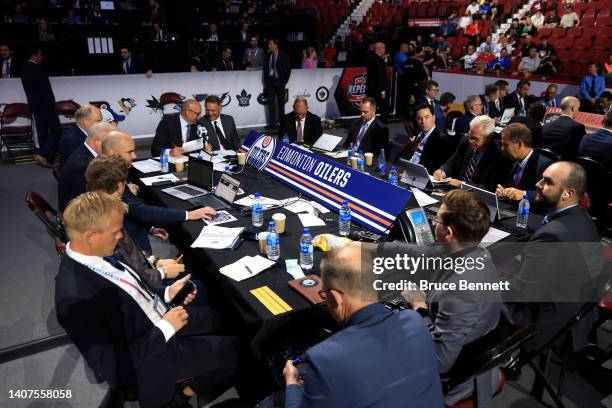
[111, 276]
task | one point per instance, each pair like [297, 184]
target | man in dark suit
[550, 97]
[224, 63]
[598, 145]
[221, 130]
[564, 134]
[519, 99]
[389, 339]
[71, 182]
[429, 97]
[276, 73]
[535, 116]
[41, 102]
[300, 125]
[528, 164]
[368, 133]
[121, 325]
[377, 85]
[174, 130]
[477, 159]
[473, 107]
[430, 147]
[490, 102]
[130, 64]
[85, 117]
[9, 67]
[560, 263]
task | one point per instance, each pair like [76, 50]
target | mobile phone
[180, 297]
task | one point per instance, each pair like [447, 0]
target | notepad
[310, 220]
[148, 181]
[271, 300]
[147, 166]
[246, 267]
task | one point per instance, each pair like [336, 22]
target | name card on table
[374, 202]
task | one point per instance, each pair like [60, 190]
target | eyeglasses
[195, 113]
[323, 293]
[436, 221]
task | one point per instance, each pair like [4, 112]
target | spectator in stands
[591, 87]
[598, 145]
[430, 147]
[473, 8]
[497, 10]
[549, 65]
[473, 107]
[72, 17]
[199, 62]
[157, 33]
[309, 58]
[469, 58]
[221, 128]
[515, 29]
[157, 14]
[85, 117]
[500, 64]
[213, 34]
[570, 18]
[477, 159]
[483, 60]
[517, 145]
[527, 45]
[224, 63]
[551, 97]
[545, 47]
[429, 59]
[447, 28]
[301, 125]
[564, 134]
[244, 36]
[502, 44]
[553, 20]
[537, 19]
[608, 67]
[429, 97]
[528, 28]
[368, 133]
[377, 85]
[530, 64]
[19, 16]
[490, 101]
[485, 9]
[10, 67]
[442, 109]
[604, 103]
[488, 42]
[472, 31]
[130, 64]
[276, 73]
[253, 58]
[44, 32]
[98, 18]
[465, 20]
[518, 99]
[174, 130]
[440, 44]
[443, 59]
[534, 119]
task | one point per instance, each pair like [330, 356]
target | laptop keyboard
[188, 190]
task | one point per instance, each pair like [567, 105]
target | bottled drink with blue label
[306, 250]
[344, 219]
[286, 138]
[272, 242]
[360, 163]
[163, 159]
[522, 215]
[393, 176]
[350, 154]
[257, 211]
[382, 162]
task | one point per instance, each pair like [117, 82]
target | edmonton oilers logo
[261, 152]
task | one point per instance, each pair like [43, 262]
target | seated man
[535, 116]
[564, 134]
[430, 148]
[598, 145]
[121, 325]
[221, 130]
[381, 358]
[528, 163]
[477, 159]
[429, 96]
[519, 99]
[368, 133]
[473, 107]
[301, 125]
[85, 116]
[174, 130]
[489, 107]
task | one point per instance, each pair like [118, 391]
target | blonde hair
[91, 211]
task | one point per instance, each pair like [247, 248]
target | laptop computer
[490, 200]
[224, 196]
[416, 175]
[199, 180]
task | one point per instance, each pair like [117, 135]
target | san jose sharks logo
[166, 99]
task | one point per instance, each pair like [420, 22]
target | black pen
[248, 270]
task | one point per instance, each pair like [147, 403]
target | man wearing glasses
[301, 125]
[473, 107]
[174, 130]
[385, 358]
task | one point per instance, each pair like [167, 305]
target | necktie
[114, 262]
[497, 104]
[126, 67]
[592, 89]
[300, 131]
[271, 64]
[361, 133]
[7, 68]
[274, 65]
[219, 133]
[516, 175]
[486, 108]
[470, 171]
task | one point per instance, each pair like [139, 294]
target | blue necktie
[114, 262]
[516, 175]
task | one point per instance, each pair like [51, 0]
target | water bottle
[163, 159]
[226, 169]
[382, 163]
[522, 215]
[306, 250]
[344, 219]
[257, 212]
[360, 164]
[393, 176]
[286, 138]
[350, 154]
[272, 242]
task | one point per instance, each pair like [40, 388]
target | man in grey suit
[253, 57]
[221, 130]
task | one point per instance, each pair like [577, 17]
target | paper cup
[354, 162]
[279, 221]
[241, 158]
[369, 157]
[180, 166]
[261, 237]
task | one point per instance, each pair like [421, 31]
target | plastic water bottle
[393, 176]
[286, 138]
[522, 215]
[360, 164]
[272, 242]
[382, 162]
[257, 211]
[350, 154]
[344, 219]
[306, 250]
[227, 169]
[163, 159]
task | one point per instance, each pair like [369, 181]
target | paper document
[224, 153]
[310, 220]
[246, 267]
[297, 205]
[433, 180]
[338, 155]
[248, 201]
[193, 145]
[147, 166]
[422, 198]
[215, 237]
[294, 269]
[148, 181]
[327, 142]
[221, 217]
[492, 236]
[321, 208]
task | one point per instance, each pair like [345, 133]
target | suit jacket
[489, 108]
[438, 148]
[532, 173]
[72, 178]
[70, 141]
[549, 102]
[113, 333]
[258, 59]
[441, 121]
[563, 136]
[37, 88]
[598, 146]
[462, 124]
[377, 81]
[230, 139]
[168, 134]
[554, 277]
[374, 139]
[400, 364]
[533, 125]
[14, 67]
[129, 252]
[221, 65]
[283, 68]
[491, 170]
[422, 100]
[312, 128]
[585, 86]
[512, 101]
[136, 67]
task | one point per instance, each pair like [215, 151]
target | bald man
[563, 135]
[174, 130]
[377, 85]
[86, 116]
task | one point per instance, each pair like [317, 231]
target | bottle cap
[271, 224]
[306, 230]
[393, 167]
[345, 202]
[256, 195]
[525, 196]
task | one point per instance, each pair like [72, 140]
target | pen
[179, 258]
[248, 270]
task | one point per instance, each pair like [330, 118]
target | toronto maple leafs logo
[244, 99]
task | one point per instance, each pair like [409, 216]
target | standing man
[276, 73]
[591, 88]
[300, 125]
[41, 102]
[221, 130]
[173, 130]
[416, 75]
[10, 68]
[253, 58]
[399, 61]
[377, 85]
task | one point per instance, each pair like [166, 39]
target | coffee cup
[262, 237]
[369, 157]
[241, 158]
[179, 166]
[279, 222]
[354, 162]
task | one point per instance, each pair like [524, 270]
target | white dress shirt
[218, 122]
[416, 157]
[90, 149]
[184, 128]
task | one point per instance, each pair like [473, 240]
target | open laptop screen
[200, 173]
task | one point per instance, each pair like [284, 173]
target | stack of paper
[148, 181]
[246, 267]
[215, 237]
[422, 198]
[492, 236]
[338, 155]
[147, 166]
[265, 201]
[310, 220]
[193, 145]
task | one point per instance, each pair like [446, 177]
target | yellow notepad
[271, 300]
